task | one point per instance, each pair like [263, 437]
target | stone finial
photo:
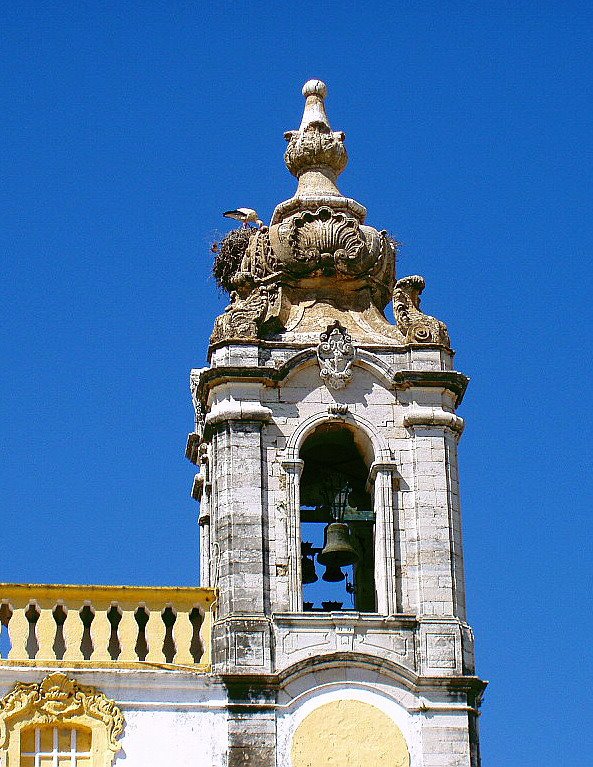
[315, 93]
[316, 155]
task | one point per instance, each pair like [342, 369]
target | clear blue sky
[128, 127]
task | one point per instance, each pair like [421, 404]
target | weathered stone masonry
[304, 353]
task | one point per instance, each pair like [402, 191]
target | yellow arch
[349, 733]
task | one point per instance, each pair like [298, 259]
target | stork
[245, 216]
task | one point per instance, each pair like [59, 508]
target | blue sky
[128, 128]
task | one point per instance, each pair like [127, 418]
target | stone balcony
[106, 626]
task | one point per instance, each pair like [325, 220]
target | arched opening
[337, 521]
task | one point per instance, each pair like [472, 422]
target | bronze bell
[308, 570]
[333, 574]
[308, 573]
[338, 550]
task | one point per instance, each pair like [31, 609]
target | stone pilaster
[251, 723]
[384, 474]
[435, 558]
[242, 637]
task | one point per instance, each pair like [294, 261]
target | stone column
[293, 468]
[386, 566]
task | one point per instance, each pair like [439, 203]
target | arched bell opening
[337, 521]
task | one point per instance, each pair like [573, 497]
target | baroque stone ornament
[315, 145]
[329, 243]
[335, 355]
[243, 317]
[59, 699]
[416, 326]
[317, 258]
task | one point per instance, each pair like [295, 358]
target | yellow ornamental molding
[59, 700]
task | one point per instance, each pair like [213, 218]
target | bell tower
[326, 440]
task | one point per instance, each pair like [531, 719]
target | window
[58, 723]
[55, 747]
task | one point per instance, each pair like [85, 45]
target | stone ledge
[446, 379]
[402, 379]
[346, 617]
[237, 411]
[194, 441]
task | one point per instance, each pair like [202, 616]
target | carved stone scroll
[243, 316]
[417, 327]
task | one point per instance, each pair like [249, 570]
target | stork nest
[228, 255]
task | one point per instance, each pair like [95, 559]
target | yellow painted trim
[183, 594]
[89, 665]
[55, 701]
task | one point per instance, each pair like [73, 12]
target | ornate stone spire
[318, 261]
[316, 155]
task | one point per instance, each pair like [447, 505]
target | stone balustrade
[105, 625]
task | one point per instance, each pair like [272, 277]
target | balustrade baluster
[45, 630]
[155, 635]
[73, 630]
[182, 636]
[205, 634]
[101, 633]
[127, 632]
[18, 631]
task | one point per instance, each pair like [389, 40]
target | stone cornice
[194, 441]
[265, 343]
[294, 464]
[198, 487]
[237, 411]
[416, 683]
[388, 466]
[444, 379]
[402, 379]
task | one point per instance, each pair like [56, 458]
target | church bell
[333, 574]
[308, 570]
[307, 564]
[338, 550]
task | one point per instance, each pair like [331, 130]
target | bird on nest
[245, 216]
